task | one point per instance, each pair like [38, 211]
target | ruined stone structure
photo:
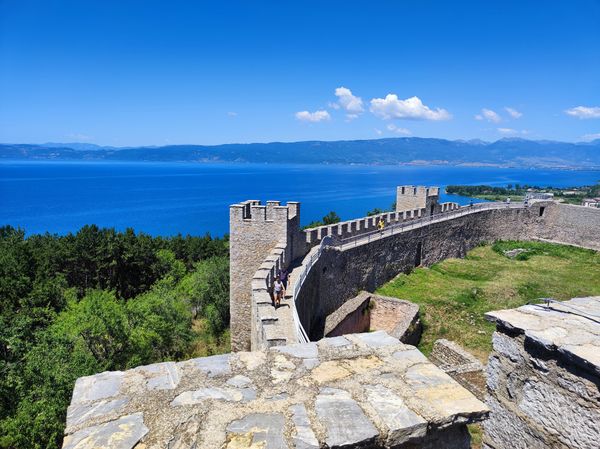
[362, 390]
[543, 377]
[462, 366]
[368, 311]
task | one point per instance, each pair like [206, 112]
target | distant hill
[406, 150]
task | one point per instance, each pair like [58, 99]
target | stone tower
[254, 231]
[417, 197]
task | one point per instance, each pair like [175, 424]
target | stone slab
[257, 430]
[345, 422]
[123, 433]
[300, 396]
[216, 365]
[99, 386]
[78, 414]
[401, 422]
[304, 437]
[570, 328]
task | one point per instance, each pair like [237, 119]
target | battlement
[418, 190]
[417, 197]
[254, 210]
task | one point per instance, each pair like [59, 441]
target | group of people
[280, 286]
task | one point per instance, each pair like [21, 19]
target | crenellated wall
[364, 225]
[411, 238]
[342, 271]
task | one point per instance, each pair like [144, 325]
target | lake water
[171, 198]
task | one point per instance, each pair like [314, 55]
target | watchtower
[417, 197]
[254, 231]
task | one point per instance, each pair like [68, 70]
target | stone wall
[367, 266]
[543, 377]
[353, 317]
[566, 223]
[397, 317]
[358, 391]
[255, 231]
[460, 365]
[266, 328]
[341, 273]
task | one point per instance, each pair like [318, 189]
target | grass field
[454, 294]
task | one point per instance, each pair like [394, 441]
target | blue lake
[171, 198]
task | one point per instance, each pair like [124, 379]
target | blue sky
[171, 72]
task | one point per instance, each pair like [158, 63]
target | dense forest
[98, 300]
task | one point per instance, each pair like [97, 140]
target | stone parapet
[362, 390]
[268, 329]
[359, 226]
[543, 376]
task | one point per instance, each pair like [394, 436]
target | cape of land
[508, 152]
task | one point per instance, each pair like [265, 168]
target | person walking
[279, 291]
[284, 276]
[381, 225]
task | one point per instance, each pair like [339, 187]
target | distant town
[588, 196]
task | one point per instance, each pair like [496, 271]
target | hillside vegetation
[93, 301]
[453, 295]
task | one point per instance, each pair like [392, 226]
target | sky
[129, 73]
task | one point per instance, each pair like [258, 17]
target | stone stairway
[279, 323]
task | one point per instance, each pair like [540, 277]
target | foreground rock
[362, 390]
[543, 377]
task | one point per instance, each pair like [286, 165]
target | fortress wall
[575, 225]
[255, 230]
[364, 225]
[341, 275]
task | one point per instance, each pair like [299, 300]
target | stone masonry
[460, 365]
[419, 197]
[255, 231]
[543, 377]
[356, 391]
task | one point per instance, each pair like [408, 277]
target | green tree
[207, 289]
[331, 218]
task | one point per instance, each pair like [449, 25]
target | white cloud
[590, 137]
[78, 137]
[317, 116]
[232, 114]
[584, 112]
[393, 128]
[489, 115]
[350, 117]
[513, 112]
[333, 105]
[510, 131]
[507, 131]
[378, 132]
[349, 102]
[411, 109]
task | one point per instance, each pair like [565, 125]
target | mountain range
[508, 152]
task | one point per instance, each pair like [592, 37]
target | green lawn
[454, 294]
